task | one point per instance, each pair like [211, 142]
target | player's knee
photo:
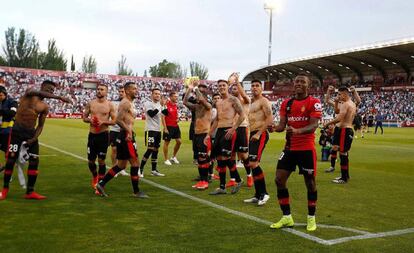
[253, 164]
[279, 181]
[178, 141]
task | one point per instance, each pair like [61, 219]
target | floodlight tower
[270, 5]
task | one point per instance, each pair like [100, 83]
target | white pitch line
[370, 236]
[208, 203]
[364, 234]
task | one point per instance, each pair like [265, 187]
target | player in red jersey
[300, 116]
[171, 128]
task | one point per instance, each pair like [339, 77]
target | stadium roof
[376, 59]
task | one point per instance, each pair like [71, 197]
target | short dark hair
[222, 80]
[154, 89]
[3, 90]
[216, 94]
[128, 84]
[49, 82]
[172, 93]
[343, 88]
[102, 84]
[256, 81]
[306, 75]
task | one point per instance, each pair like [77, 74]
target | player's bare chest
[101, 109]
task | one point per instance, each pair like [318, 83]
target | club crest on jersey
[318, 107]
[303, 109]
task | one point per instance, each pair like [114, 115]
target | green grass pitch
[379, 198]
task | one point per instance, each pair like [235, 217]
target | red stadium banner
[65, 115]
[407, 124]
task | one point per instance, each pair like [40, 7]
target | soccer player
[114, 131]
[378, 122]
[242, 132]
[99, 113]
[8, 109]
[343, 137]
[191, 130]
[126, 146]
[31, 110]
[336, 103]
[300, 116]
[202, 110]
[260, 117]
[153, 113]
[216, 97]
[228, 108]
[171, 128]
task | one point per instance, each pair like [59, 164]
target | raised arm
[328, 96]
[355, 95]
[189, 105]
[202, 100]
[239, 110]
[44, 94]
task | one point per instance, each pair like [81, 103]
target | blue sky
[224, 35]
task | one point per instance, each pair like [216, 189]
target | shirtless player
[99, 114]
[31, 109]
[260, 117]
[242, 135]
[227, 109]
[126, 146]
[344, 135]
[336, 104]
[202, 139]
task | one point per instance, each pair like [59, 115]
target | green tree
[197, 69]
[89, 64]
[53, 59]
[3, 62]
[72, 64]
[21, 49]
[167, 69]
[123, 69]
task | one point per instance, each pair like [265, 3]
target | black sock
[144, 159]
[134, 179]
[32, 174]
[203, 168]
[259, 181]
[109, 175]
[8, 171]
[92, 168]
[247, 167]
[102, 170]
[283, 197]
[312, 198]
[154, 160]
[231, 164]
[333, 158]
[221, 168]
[211, 168]
[344, 167]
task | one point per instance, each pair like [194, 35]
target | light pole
[270, 6]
